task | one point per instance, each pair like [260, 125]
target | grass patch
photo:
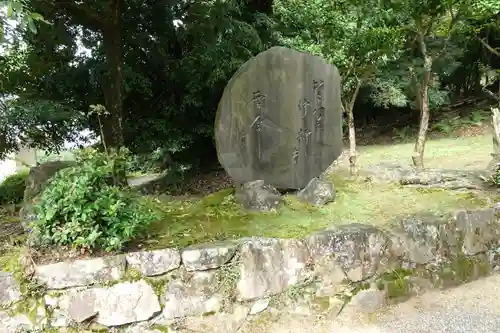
[218, 217]
[462, 153]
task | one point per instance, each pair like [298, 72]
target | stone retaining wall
[220, 287]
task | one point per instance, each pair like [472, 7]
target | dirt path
[473, 307]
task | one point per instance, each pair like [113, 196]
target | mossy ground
[218, 217]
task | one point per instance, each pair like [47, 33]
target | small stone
[81, 272]
[9, 289]
[152, 263]
[192, 297]
[218, 322]
[268, 266]
[317, 192]
[368, 301]
[126, 303]
[257, 196]
[259, 306]
[208, 256]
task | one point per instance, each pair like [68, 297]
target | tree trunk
[349, 108]
[352, 141]
[113, 83]
[112, 129]
[423, 96]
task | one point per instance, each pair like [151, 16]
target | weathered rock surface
[257, 196]
[280, 119]
[358, 249]
[317, 192]
[37, 178]
[126, 303]
[480, 229]
[259, 306]
[193, 296]
[438, 178]
[40, 175]
[81, 272]
[218, 322]
[75, 306]
[206, 256]
[152, 263]
[121, 304]
[269, 266]
[18, 323]
[425, 238]
[142, 328]
[9, 289]
[368, 301]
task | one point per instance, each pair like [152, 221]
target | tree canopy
[159, 67]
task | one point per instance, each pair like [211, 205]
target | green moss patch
[187, 221]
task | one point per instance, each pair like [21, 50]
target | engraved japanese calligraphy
[279, 119]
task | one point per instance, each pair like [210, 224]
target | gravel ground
[470, 308]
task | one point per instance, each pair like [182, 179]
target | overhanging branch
[488, 47]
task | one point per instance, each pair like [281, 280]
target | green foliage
[495, 175]
[12, 188]
[82, 207]
[357, 36]
[18, 10]
[174, 73]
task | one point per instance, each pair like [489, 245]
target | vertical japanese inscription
[243, 146]
[318, 113]
[319, 110]
[304, 106]
[303, 135]
[259, 102]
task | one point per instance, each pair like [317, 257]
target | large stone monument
[280, 120]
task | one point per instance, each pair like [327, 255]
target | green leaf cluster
[83, 208]
[12, 188]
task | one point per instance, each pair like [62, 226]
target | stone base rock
[436, 178]
[258, 196]
[317, 192]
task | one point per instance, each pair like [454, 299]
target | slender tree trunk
[113, 130]
[352, 141]
[349, 108]
[423, 101]
[423, 92]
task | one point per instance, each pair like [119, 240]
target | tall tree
[357, 36]
[432, 24]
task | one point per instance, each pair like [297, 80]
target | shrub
[495, 174]
[83, 207]
[12, 188]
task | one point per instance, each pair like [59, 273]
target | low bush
[12, 188]
[84, 207]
